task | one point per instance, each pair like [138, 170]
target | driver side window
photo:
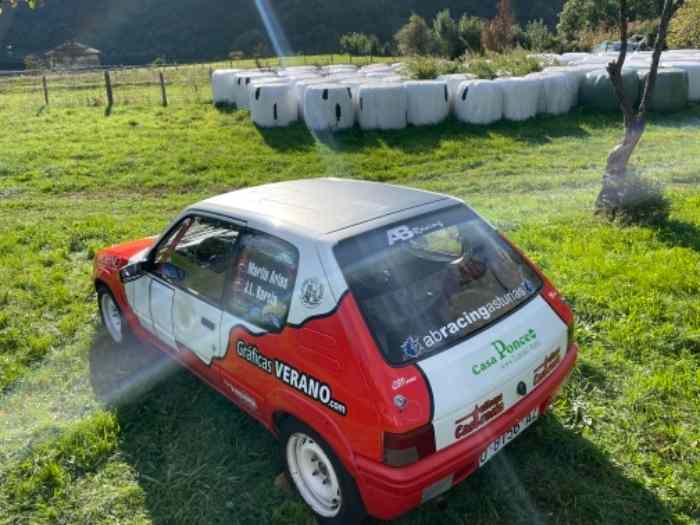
[196, 256]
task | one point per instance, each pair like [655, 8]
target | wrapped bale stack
[382, 106]
[671, 90]
[273, 106]
[598, 92]
[428, 102]
[693, 70]
[328, 107]
[223, 85]
[479, 102]
[521, 97]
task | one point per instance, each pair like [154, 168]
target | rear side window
[425, 284]
[263, 280]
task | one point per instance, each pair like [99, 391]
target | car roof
[318, 206]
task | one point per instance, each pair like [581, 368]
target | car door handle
[208, 324]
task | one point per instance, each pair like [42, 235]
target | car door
[195, 267]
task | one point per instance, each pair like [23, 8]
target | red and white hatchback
[390, 337]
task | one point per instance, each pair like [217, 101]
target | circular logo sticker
[311, 292]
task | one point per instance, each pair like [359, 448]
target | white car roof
[318, 206]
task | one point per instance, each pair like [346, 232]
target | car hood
[131, 250]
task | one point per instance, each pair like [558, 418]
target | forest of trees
[140, 31]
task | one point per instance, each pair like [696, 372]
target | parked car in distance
[391, 338]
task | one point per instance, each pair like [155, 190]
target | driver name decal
[300, 381]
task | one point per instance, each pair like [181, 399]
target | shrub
[641, 201]
[492, 65]
[427, 68]
[360, 44]
[446, 33]
[498, 34]
[685, 27]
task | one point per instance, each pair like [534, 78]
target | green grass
[92, 436]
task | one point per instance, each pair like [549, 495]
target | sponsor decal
[482, 414]
[546, 368]
[411, 348]
[300, 381]
[406, 233]
[477, 316]
[244, 398]
[507, 353]
[251, 354]
[401, 382]
[312, 292]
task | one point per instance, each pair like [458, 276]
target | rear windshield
[427, 283]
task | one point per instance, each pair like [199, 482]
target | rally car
[391, 338]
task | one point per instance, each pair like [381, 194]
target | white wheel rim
[112, 317]
[314, 475]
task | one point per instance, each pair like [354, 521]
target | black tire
[103, 291]
[352, 510]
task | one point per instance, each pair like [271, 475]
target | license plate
[496, 446]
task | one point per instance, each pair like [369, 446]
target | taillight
[401, 450]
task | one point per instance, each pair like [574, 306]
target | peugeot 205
[391, 338]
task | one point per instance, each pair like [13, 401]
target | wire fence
[175, 85]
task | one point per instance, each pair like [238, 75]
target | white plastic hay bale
[570, 58]
[223, 82]
[298, 70]
[693, 70]
[354, 85]
[299, 90]
[521, 97]
[428, 102]
[267, 81]
[242, 82]
[394, 79]
[559, 93]
[273, 105]
[453, 83]
[328, 107]
[338, 68]
[479, 102]
[382, 106]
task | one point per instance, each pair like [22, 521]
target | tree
[415, 38]
[685, 28]
[446, 31]
[498, 34]
[470, 29]
[590, 15]
[360, 44]
[612, 197]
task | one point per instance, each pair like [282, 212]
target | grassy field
[89, 435]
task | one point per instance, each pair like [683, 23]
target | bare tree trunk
[611, 196]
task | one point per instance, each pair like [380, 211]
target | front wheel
[111, 315]
[319, 477]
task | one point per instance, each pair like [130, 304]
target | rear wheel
[112, 317]
[319, 477]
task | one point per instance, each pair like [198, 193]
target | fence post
[110, 95]
[163, 94]
[46, 90]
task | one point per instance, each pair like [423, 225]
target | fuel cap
[522, 388]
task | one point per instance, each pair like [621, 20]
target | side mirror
[132, 272]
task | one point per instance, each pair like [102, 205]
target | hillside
[139, 31]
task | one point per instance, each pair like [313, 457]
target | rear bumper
[390, 492]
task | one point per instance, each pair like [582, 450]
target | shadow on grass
[679, 233]
[200, 460]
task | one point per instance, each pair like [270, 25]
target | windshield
[423, 285]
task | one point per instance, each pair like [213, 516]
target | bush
[685, 27]
[428, 68]
[446, 33]
[498, 34]
[641, 201]
[494, 65]
[360, 44]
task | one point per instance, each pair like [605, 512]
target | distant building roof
[73, 48]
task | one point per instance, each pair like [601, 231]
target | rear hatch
[446, 292]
